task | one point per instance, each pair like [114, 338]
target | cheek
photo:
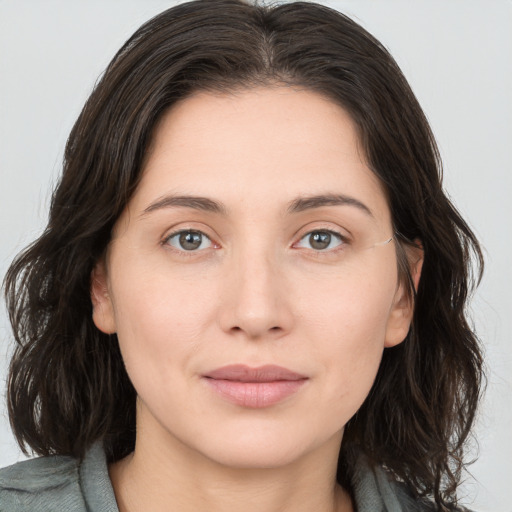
[349, 306]
[161, 320]
[347, 317]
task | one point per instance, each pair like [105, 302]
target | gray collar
[95, 481]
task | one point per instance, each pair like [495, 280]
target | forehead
[262, 144]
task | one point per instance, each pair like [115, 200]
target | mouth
[254, 387]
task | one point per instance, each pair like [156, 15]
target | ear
[401, 314]
[102, 307]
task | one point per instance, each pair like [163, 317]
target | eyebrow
[298, 205]
[309, 202]
[195, 202]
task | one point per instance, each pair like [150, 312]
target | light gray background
[457, 55]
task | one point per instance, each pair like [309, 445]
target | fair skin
[249, 286]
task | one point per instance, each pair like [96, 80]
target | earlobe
[102, 307]
[402, 311]
[400, 318]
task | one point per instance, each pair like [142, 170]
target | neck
[168, 475]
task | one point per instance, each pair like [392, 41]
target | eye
[321, 240]
[188, 240]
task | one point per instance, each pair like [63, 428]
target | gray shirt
[58, 483]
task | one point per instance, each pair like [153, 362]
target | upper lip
[243, 373]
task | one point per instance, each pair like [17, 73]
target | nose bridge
[256, 290]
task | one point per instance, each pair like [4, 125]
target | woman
[251, 290]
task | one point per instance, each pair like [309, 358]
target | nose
[255, 299]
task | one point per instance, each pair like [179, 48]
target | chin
[259, 449]
[256, 456]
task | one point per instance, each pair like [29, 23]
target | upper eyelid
[172, 231]
[344, 233]
[323, 230]
[172, 234]
[185, 230]
[175, 233]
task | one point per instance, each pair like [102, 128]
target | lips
[242, 373]
[254, 387]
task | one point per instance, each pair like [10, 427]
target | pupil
[320, 240]
[190, 241]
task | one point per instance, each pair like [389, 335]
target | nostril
[236, 328]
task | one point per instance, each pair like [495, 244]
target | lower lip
[255, 395]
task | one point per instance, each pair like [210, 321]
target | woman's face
[248, 280]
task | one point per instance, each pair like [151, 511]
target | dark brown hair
[67, 385]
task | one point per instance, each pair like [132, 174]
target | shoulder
[44, 484]
[38, 474]
[375, 489]
[409, 502]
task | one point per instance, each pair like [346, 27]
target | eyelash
[318, 253]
